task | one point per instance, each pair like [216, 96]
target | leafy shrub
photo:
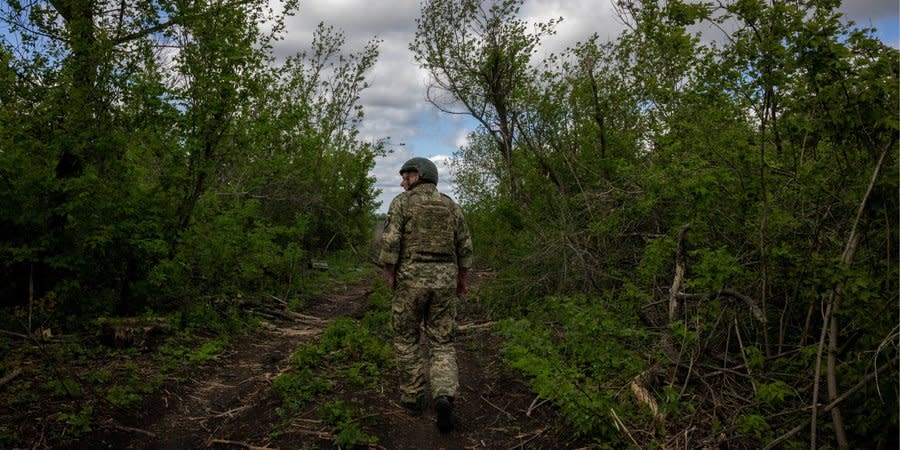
[347, 340]
[78, 422]
[122, 395]
[64, 388]
[297, 388]
[577, 352]
[343, 417]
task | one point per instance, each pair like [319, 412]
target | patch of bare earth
[231, 403]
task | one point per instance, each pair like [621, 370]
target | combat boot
[443, 407]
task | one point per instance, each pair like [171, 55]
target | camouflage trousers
[432, 311]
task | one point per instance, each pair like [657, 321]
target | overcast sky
[395, 103]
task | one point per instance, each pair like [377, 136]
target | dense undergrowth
[64, 385]
[694, 241]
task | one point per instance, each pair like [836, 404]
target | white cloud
[395, 103]
[462, 138]
[865, 11]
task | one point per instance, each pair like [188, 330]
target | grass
[353, 353]
[77, 381]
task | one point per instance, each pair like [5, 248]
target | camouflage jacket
[397, 237]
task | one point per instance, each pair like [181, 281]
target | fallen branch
[11, 333]
[10, 376]
[643, 396]
[134, 430]
[304, 317]
[531, 436]
[239, 444]
[498, 408]
[475, 326]
[230, 412]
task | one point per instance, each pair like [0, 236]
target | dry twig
[498, 408]
[134, 430]
[621, 426]
[531, 436]
[240, 444]
[475, 326]
[535, 405]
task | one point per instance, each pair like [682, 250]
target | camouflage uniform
[427, 255]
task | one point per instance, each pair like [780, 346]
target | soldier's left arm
[464, 250]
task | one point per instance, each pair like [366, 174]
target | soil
[230, 403]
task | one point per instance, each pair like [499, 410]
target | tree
[734, 197]
[144, 149]
[478, 54]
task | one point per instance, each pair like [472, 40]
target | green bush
[296, 388]
[78, 423]
[343, 418]
[577, 352]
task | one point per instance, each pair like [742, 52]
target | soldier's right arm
[392, 234]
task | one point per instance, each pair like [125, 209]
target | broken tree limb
[12, 333]
[748, 300]
[475, 326]
[643, 396]
[10, 376]
[304, 317]
[680, 263]
[134, 430]
[510, 416]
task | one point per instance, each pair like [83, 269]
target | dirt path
[231, 403]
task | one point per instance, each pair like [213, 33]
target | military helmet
[428, 172]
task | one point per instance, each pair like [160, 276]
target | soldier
[426, 252]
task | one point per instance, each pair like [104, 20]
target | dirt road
[231, 402]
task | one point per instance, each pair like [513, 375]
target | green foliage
[98, 377]
[377, 318]
[188, 349]
[297, 388]
[575, 350]
[123, 396]
[674, 404]
[714, 269]
[363, 374]
[208, 351]
[78, 423]
[347, 340]
[774, 393]
[350, 354]
[342, 417]
[763, 147]
[133, 180]
[9, 438]
[64, 388]
[753, 424]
